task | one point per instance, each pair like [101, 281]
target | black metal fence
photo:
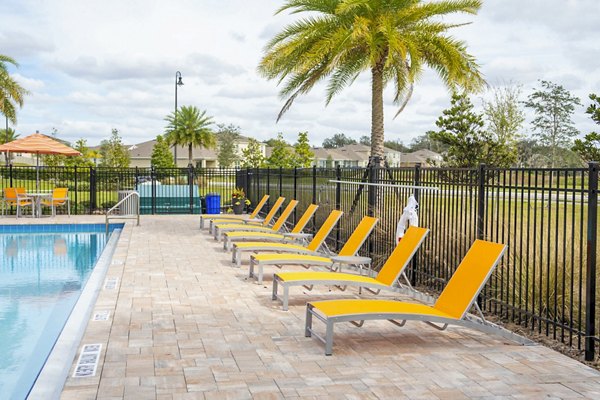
[547, 281]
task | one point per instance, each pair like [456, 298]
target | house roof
[144, 150]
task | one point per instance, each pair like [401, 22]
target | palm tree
[393, 39]
[11, 93]
[6, 136]
[190, 127]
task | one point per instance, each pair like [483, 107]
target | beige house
[141, 153]
[425, 157]
[353, 155]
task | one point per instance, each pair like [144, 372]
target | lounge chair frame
[341, 281]
[218, 229]
[399, 319]
[319, 249]
[307, 261]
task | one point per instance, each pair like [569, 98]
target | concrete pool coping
[53, 375]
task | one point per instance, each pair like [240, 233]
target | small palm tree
[7, 136]
[392, 39]
[11, 93]
[190, 127]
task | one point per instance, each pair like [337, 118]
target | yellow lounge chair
[234, 217]
[347, 254]
[451, 307]
[295, 233]
[386, 278]
[312, 248]
[239, 226]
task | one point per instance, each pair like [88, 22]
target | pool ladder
[128, 208]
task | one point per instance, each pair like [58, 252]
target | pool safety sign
[88, 361]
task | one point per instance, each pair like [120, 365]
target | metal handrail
[109, 215]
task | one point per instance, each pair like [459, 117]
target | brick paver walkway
[186, 325]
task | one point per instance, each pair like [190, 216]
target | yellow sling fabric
[310, 211]
[358, 237]
[259, 206]
[401, 255]
[324, 231]
[285, 215]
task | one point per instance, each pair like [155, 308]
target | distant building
[352, 155]
[425, 157]
[141, 153]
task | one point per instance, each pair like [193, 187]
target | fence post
[247, 185]
[191, 186]
[93, 204]
[75, 189]
[153, 191]
[338, 203]
[417, 193]
[481, 202]
[592, 240]
[295, 192]
[280, 181]
[10, 174]
[269, 188]
[314, 196]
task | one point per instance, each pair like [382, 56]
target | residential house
[353, 155]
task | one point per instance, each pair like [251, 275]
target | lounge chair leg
[251, 268]
[308, 324]
[329, 338]
[275, 284]
[225, 243]
[201, 223]
[260, 274]
[286, 295]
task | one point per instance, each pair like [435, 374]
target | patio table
[37, 197]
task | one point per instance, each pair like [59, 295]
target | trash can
[129, 206]
[213, 203]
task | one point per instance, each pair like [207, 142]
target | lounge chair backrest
[469, 278]
[358, 237]
[310, 211]
[402, 254]
[285, 214]
[10, 193]
[259, 206]
[273, 211]
[59, 193]
[324, 230]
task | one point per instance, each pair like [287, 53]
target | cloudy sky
[95, 65]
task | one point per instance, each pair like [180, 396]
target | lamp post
[178, 82]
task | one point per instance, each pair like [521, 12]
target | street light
[178, 82]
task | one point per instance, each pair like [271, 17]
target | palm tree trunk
[190, 155]
[377, 130]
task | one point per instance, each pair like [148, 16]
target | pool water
[41, 278]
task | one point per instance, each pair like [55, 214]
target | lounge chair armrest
[259, 220]
[297, 236]
[351, 260]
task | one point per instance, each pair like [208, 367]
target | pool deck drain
[185, 325]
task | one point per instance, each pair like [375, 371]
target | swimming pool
[43, 269]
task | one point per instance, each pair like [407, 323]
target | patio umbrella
[38, 144]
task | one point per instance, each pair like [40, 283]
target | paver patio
[184, 324]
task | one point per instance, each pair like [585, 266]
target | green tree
[391, 39]
[11, 93]
[366, 140]
[161, 154]
[228, 136]
[553, 106]
[302, 153]
[55, 160]
[192, 130]
[469, 144]
[114, 153]
[395, 145]
[281, 155]
[338, 140]
[6, 136]
[589, 147]
[84, 160]
[425, 141]
[252, 156]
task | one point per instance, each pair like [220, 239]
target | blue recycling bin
[213, 203]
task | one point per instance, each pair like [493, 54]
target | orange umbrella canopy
[40, 144]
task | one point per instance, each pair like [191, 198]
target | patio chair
[233, 217]
[254, 218]
[386, 279]
[16, 197]
[294, 234]
[313, 247]
[347, 254]
[278, 226]
[451, 307]
[60, 197]
[232, 226]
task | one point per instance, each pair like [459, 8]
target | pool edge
[52, 377]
